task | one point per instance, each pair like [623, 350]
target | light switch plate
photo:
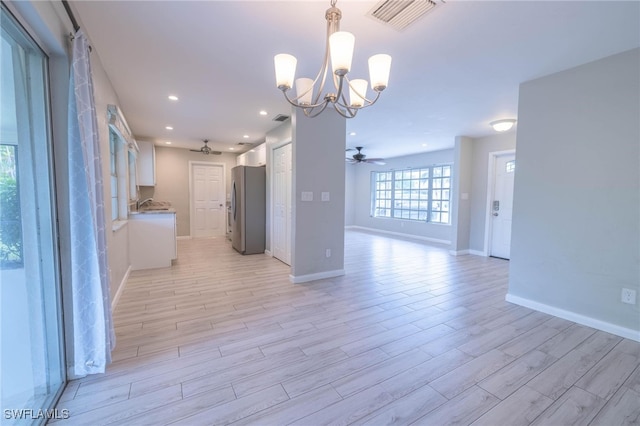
[306, 196]
[325, 196]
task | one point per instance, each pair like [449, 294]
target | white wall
[360, 202]
[576, 217]
[350, 192]
[172, 180]
[274, 139]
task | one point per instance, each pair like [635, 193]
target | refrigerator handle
[233, 201]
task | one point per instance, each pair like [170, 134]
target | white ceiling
[453, 71]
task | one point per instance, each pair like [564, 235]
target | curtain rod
[76, 27]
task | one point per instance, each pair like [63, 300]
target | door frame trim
[271, 176]
[491, 181]
[224, 186]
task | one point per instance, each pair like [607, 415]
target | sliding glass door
[31, 352]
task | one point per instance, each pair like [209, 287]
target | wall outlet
[628, 296]
[327, 253]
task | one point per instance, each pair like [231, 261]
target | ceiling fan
[361, 158]
[206, 150]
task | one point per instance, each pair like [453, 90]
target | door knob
[495, 214]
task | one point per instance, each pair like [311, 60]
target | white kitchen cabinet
[241, 160]
[146, 164]
[261, 155]
[152, 239]
[255, 157]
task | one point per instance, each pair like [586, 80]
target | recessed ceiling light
[352, 134]
[263, 112]
[168, 142]
[231, 149]
[424, 144]
[246, 136]
[173, 98]
[169, 128]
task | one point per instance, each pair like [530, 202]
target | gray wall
[360, 203]
[172, 180]
[576, 218]
[318, 166]
[479, 176]
[460, 194]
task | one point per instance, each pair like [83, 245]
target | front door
[502, 206]
[207, 200]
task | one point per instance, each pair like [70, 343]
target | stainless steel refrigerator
[248, 209]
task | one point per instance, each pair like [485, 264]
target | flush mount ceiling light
[339, 48]
[503, 125]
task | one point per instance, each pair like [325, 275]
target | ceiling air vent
[280, 117]
[400, 13]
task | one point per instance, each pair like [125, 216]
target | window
[122, 164]
[113, 166]
[422, 194]
[31, 339]
[133, 183]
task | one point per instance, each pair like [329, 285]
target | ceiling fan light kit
[206, 150]
[338, 49]
[360, 158]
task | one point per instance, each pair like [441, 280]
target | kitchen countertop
[153, 211]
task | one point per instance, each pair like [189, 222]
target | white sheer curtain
[93, 334]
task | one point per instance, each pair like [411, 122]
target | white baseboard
[399, 234]
[317, 276]
[464, 252]
[627, 333]
[268, 253]
[116, 298]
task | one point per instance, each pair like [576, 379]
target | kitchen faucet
[140, 204]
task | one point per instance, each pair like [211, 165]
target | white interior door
[207, 200]
[282, 210]
[502, 206]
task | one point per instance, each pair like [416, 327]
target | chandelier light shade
[358, 92]
[339, 48]
[503, 125]
[285, 69]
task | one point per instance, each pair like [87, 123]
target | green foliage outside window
[10, 220]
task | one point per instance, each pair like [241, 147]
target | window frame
[123, 151]
[422, 194]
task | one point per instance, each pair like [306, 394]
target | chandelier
[339, 48]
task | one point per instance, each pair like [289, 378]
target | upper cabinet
[146, 164]
[260, 155]
[255, 157]
[241, 160]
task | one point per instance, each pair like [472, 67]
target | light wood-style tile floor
[410, 335]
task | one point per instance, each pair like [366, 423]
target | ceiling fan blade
[378, 161]
[350, 160]
[215, 152]
[195, 150]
